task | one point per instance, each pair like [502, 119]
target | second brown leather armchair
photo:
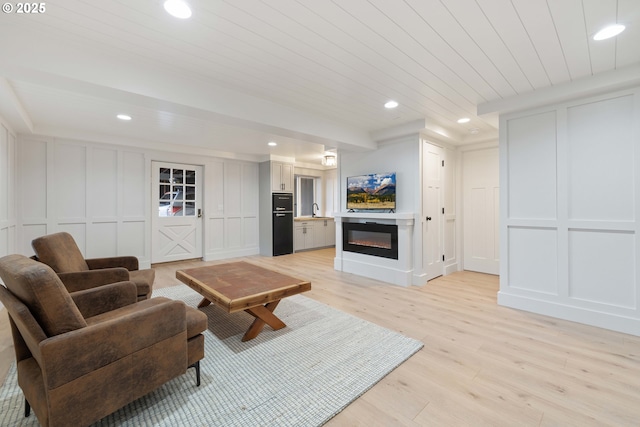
[60, 252]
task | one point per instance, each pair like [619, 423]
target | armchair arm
[128, 262]
[81, 280]
[101, 299]
[69, 356]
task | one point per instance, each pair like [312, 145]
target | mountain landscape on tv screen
[371, 192]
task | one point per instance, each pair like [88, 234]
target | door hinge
[442, 257]
[442, 211]
[443, 163]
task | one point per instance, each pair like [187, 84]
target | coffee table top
[240, 285]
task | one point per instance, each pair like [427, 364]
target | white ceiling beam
[588, 86]
[121, 76]
[12, 109]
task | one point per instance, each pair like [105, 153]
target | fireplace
[370, 238]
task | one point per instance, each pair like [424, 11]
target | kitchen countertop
[317, 218]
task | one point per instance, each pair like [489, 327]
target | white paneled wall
[232, 202]
[569, 214]
[7, 190]
[101, 194]
[98, 194]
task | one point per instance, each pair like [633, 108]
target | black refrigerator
[282, 223]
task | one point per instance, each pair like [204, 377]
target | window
[305, 195]
[177, 192]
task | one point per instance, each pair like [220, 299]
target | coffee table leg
[205, 302]
[263, 314]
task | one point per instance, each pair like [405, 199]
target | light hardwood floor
[481, 365]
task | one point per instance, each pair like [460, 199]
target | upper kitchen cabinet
[282, 177]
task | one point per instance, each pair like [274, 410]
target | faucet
[313, 210]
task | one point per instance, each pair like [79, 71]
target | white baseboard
[230, 253]
[611, 321]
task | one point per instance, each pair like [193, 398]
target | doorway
[176, 212]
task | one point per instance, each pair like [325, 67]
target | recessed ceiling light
[390, 104]
[608, 32]
[272, 144]
[474, 131]
[178, 8]
[123, 117]
[464, 120]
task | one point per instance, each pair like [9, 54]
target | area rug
[301, 375]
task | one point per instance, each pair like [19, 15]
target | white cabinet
[319, 238]
[303, 234]
[324, 233]
[314, 233]
[281, 177]
[330, 232]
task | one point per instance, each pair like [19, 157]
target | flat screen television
[374, 191]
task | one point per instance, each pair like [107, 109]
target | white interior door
[432, 221]
[481, 202]
[177, 212]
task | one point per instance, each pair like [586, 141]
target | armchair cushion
[81, 280]
[48, 299]
[60, 252]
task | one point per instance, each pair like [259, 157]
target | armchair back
[40, 289]
[60, 252]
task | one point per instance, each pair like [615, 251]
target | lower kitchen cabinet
[314, 233]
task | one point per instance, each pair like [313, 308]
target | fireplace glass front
[371, 239]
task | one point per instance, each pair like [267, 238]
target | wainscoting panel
[533, 259]
[250, 191]
[32, 174]
[233, 231]
[102, 239]
[601, 160]
[532, 167]
[30, 232]
[4, 241]
[79, 232]
[69, 182]
[250, 232]
[601, 267]
[216, 235]
[136, 241]
[233, 189]
[134, 185]
[5, 175]
[102, 189]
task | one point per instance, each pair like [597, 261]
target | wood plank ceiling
[340, 60]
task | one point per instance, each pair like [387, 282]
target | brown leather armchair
[60, 252]
[83, 355]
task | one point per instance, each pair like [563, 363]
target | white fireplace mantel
[398, 272]
[375, 215]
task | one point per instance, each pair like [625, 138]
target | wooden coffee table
[240, 286]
